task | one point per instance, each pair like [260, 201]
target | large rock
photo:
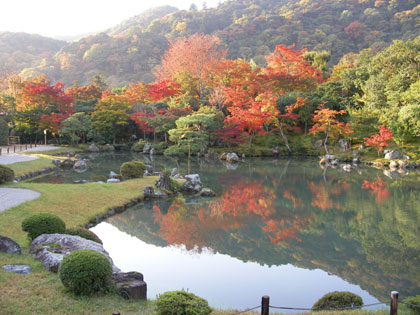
[130, 285]
[174, 173]
[93, 148]
[113, 180]
[147, 147]
[232, 158]
[67, 163]
[80, 166]
[344, 145]
[8, 245]
[207, 192]
[112, 174]
[149, 192]
[50, 249]
[192, 183]
[22, 269]
[393, 155]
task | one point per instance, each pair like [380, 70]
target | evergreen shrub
[6, 174]
[132, 169]
[43, 223]
[181, 302]
[337, 300]
[4, 132]
[414, 304]
[84, 233]
[85, 272]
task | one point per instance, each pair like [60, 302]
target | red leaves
[381, 139]
[164, 89]
[325, 121]
[378, 188]
[353, 30]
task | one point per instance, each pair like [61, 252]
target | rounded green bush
[4, 132]
[43, 223]
[85, 233]
[181, 303]
[6, 174]
[85, 271]
[414, 302]
[138, 146]
[337, 299]
[132, 169]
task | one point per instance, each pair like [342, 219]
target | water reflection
[360, 226]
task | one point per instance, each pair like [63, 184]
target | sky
[55, 18]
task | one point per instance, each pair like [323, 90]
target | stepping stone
[8, 245]
[22, 269]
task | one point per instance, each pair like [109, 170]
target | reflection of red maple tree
[378, 188]
[321, 195]
[196, 227]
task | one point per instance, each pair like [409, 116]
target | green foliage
[77, 127]
[409, 120]
[84, 233]
[85, 271]
[181, 303]
[4, 132]
[337, 300]
[43, 223]
[6, 174]
[138, 146]
[132, 169]
[415, 303]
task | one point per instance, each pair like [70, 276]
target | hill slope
[249, 28]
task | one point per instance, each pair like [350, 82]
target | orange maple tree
[380, 140]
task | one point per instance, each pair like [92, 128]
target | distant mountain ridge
[250, 29]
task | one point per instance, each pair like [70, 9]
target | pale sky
[67, 18]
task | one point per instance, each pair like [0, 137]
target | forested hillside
[250, 29]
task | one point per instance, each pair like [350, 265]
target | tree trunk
[325, 141]
[250, 141]
[286, 142]
[114, 141]
[306, 128]
[164, 181]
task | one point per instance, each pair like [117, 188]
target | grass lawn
[23, 168]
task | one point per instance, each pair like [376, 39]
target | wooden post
[26, 147]
[14, 149]
[7, 150]
[265, 305]
[394, 303]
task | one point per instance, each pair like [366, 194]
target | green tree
[77, 127]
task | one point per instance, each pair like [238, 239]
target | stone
[323, 161]
[93, 148]
[243, 156]
[393, 155]
[7, 245]
[147, 147]
[223, 156]
[50, 249]
[391, 174]
[174, 172]
[319, 143]
[71, 154]
[113, 174]
[113, 181]
[152, 151]
[356, 154]
[192, 183]
[164, 181]
[21, 269]
[207, 192]
[329, 157]
[80, 166]
[275, 150]
[347, 167]
[387, 151]
[334, 162]
[356, 161]
[130, 285]
[232, 158]
[393, 165]
[406, 157]
[403, 164]
[344, 145]
[109, 148]
[149, 192]
[67, 163]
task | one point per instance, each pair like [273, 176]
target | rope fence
[265, 306]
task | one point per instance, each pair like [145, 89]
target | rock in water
[130, 285]
[93, 148]
[8, 245]
[80, 166]
[147, 147]
[22, 269]
[192, 183]
[207, 192]
[149, 192]
[393, 155]
[164, 181]
[50, 249]
[232, 158]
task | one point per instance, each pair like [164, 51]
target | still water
[284, 228]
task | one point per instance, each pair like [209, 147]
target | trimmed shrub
[4, 132]
[85, 271]
[338, 299]
[181, 303]
[6, 174]
[43, 223]
[133, 169]
[414, 302]
[85, 233]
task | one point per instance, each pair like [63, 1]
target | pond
[284, 228]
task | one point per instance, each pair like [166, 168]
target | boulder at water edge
[8, 245]
[192, 183]
[232, 158]
[393, 155]
[93, 148]
[80, 166]
[50, 249]
[130, 285]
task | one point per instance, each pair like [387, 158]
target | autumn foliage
[381, 139]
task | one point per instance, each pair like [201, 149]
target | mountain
[250, 29]
[21, 50]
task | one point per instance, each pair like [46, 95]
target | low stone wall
[30, 175]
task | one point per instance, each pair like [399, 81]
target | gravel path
[15, 158]
[10, 197]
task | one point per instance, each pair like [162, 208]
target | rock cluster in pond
[50, 249]
[113, 178]
[130, 285]
[192, 184]
[80, 166]
[230, 158]
[149, 193]
[7, 245]
[93, 148]
[21, 269]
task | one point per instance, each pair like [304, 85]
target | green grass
[59, 150]
[22, 168]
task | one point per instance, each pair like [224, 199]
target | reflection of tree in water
[262, 218]
[378, 188]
